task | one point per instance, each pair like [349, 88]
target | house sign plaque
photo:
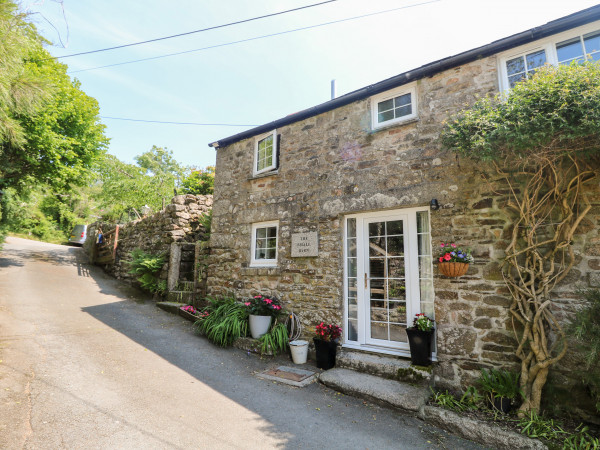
[305, 244]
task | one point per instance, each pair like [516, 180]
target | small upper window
[394, 106]
[265, 153]
[579, 48]
[264, 244]
[523, 66]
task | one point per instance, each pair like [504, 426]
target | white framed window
[264, 244]
[521, 63]
[265, 152]
[395, 106]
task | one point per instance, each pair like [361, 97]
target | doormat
[289, 375]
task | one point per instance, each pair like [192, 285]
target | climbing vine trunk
[547, 199]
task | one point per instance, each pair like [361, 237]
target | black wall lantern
[434, 205]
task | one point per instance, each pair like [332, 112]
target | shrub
[146, 266]
[500, 383]
[223, 321]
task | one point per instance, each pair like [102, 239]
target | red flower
[441, 259]
[447, 257]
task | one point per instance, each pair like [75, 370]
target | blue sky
[262, 80]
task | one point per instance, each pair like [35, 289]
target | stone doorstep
[372, 387]
[390, 367]
[171, 307]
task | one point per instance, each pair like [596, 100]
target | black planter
[326, 351]
[420, 346]
[501, 404]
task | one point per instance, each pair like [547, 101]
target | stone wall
[178, 222]
[332, 165]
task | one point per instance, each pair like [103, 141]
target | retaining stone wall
[332, 165]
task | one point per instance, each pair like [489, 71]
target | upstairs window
[579, 48]
[394, 106]
[264, 244]
[265, 153]
[523, 66]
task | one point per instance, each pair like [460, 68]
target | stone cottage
[340, 208]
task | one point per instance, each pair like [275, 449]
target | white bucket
[299, 351]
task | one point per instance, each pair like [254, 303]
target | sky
[254, 82]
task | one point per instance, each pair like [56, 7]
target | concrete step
[393, 393]
[390, 367]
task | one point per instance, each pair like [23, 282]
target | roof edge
[577, 19]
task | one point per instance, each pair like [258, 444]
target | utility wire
[195, 31]
[257, 37]
[181, 123]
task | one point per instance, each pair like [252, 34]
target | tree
[543, 139]
[199, 182]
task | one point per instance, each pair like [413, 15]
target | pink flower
[247, 303]
[257, 296]
[441, 245]
[268, 301]
[453, 245]
[276, 307]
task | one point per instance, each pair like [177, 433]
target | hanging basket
[453, 269]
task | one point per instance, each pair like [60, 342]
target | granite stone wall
[334, 164]
[178, 222]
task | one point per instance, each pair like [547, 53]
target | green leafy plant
[453, 253]
[147, 266]
[537, 427]
[223, 321]
[206, 222]
[586, 329]
[276, 340]
[447, 400]
[500, 383]
[423, 323]
[472, 399]
[260, 305]
[581, 440]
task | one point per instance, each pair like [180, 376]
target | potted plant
[261, 310]
[420, 338]
[454, 261]
[326, 343]
[189, 312]
[501, 388]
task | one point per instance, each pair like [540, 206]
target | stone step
[391, 367]
[180, 296]
[393, 393]
[172, 307]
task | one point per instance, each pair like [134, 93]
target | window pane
[385, 106]
[422, 222]
[394, 228]
[352, 267]
[395, 246]
[536, 60]
[377, 229]
[396, 267]
[398, 333]
[261, 232]
[379, 331]
[377, 290]
[352, 330]
[384, 117]
[351, 230]
[261, 243]
[272, 243]
[402, 100]
[260, 253]
[377, 246]
[424, 244]
[398, 312]
[397, 289]
[351, 288]
[403, 111]
[376, 267]
[592, 42]
[425, 270]
[426, 286]
[351, 248]
[271, 253]
[515, 66]
[568, 50]
[271, 232]
[515, 79]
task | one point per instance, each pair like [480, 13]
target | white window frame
[405, 89]
[273, 166]
[264, 262]
[549, 45]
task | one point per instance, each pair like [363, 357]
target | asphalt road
[86, 362]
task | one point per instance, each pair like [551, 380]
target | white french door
[387, 277]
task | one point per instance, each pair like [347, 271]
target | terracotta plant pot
[453, 269]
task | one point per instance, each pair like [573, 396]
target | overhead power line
[195, 31]
[256, 37]
[181, 123]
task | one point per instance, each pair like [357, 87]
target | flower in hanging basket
[423, 323]
[453, 261]
[329, 332]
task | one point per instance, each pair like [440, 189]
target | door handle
[365, 280]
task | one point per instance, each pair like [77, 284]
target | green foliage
[276, 340]
[581, 440]
[206, 222]
[227, 320]
[537, 427]
[471, 399]
[146, 266]
[199, 182]
[500, 383]
[586, 330]
[558, 107]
